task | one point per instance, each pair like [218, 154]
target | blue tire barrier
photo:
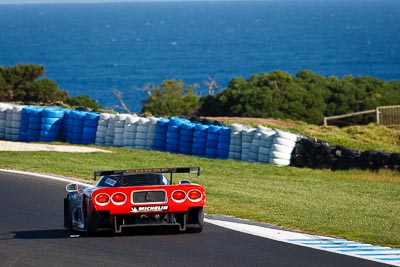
[160, 137]
[224, 138]
[23, 131]
[187, 132]
[52, 124]
[200, 140]
[214, 129]
[211, 152]
[223, 150]
[177, 121]
[186, 140]
[34, 124]
[223, 147]
[212, 141]
[172, 148]
[174, 134]
[185, 150]
[173, 138]
[78, 120]
[159, 145]
[53, 113]
[162, 123]
[174, 129]
[67, 133]
[200, 134]
[90, 128]
[212, 137]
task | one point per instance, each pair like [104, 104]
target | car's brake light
[102, 199]
[178, 196]
[118, 198]
[195, 195]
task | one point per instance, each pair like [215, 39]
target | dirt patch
[20, 146]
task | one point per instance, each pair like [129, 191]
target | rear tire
[67, 214]
[90, 222]
[195, 220]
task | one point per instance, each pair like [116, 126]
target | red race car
[123, 199]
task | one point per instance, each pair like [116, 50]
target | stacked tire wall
[282, 147]
[317, 154]
[180, 135]
[130, 131]
[51, 125]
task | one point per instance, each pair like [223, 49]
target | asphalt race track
[32, 234]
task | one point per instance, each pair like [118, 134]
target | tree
[172, 98]
[212, 85]
[22, 83]
[83, 101]
[43, 91]
[119, 95]
[307, 97]
[14, 80]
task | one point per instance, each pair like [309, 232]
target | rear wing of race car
[150, 170]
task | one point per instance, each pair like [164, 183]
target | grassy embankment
[356, 205]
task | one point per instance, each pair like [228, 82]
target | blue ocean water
[92, 48]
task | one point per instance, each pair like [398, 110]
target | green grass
[356, 205]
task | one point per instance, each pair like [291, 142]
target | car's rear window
[136, 179]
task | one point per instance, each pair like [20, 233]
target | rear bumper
[182, 221]
[176, 220]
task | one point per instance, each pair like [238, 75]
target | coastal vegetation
[170, 99]
[306, 97]
[22, 83]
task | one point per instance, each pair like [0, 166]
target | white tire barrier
[110, 131]
[235, 145]
[247, 138]
[130, 131]
[13, 123]
[282, 147]
[151, 133]
[279, 162]
[287, 135]
[4, 107]
[141, 133]
[119, 125]
[102, 126]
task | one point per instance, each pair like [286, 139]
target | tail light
[195, 195]
[118, 198]
[102, 199]
[178, 196]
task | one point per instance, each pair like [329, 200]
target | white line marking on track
[350, 248]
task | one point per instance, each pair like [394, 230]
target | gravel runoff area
[21, 146]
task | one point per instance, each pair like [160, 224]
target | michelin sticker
[149, 209]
